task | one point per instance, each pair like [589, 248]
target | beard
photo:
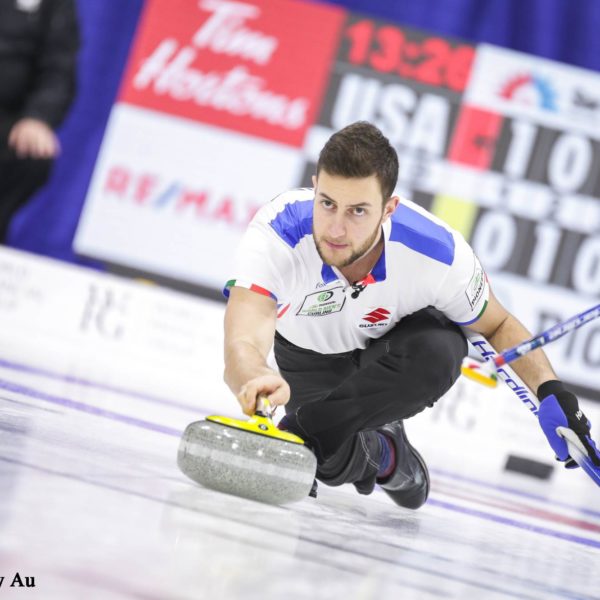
[355, 253]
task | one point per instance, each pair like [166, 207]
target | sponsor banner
[515, 84]
[258, 67]
[76, 321]
[172, 207]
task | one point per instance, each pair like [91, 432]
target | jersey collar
[378, 273]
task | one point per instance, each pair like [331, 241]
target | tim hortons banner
[225, 104]
[211, 118]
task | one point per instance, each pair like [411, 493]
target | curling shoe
[408, 484]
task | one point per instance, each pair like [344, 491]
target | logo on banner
[169, 69]
[234, 64]
[105, 312]
[585, 106]
[529, 88]
[581, 99]
[169, 195]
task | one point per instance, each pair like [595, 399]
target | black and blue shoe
[408, 484]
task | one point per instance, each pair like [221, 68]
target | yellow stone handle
[263, 407]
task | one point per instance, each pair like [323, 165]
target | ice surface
[93, 506]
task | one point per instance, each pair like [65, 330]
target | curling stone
[252, 459]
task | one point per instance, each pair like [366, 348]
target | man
[38, 47]
[363, 295]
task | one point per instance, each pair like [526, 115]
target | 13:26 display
[431, 60]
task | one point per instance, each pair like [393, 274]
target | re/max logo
[153, 191]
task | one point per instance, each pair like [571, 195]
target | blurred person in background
[39, 40]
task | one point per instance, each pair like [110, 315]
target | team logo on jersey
[320, 304]
[380, 317]
[476, 287]
[325, 296]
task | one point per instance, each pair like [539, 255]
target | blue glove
[559, 408]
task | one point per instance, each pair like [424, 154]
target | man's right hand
[273, 386]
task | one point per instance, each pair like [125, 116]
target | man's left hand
[559, 408]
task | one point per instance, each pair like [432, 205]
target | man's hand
[559, 408]
[32, 138]
[273, 386]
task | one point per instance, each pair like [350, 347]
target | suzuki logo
[377, 315]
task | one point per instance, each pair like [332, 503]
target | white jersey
[424, 263]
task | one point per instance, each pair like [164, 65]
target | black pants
[20, 178]
[339, 400]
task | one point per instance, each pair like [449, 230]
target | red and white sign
[258, 66]
[213, 110]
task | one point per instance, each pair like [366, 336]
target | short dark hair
[361, 150]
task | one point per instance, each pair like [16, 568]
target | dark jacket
[39, 40]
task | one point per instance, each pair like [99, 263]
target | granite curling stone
[252, 459]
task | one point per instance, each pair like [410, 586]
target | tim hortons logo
[169, 70]
[224, 32]
[377, 318]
